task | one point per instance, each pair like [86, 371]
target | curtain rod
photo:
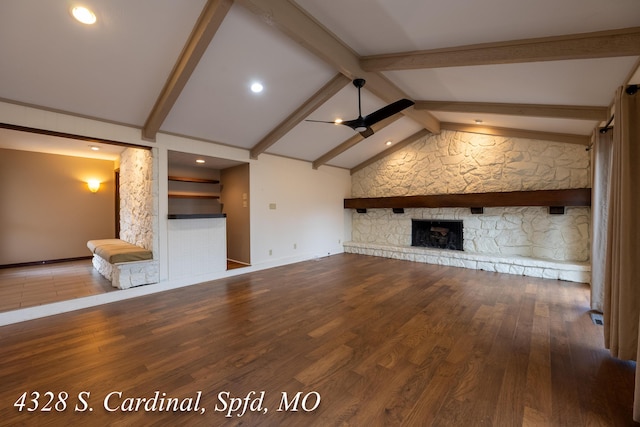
[630, 90]
[608, 126]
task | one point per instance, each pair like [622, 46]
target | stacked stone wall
[138, 210]
[459, 162]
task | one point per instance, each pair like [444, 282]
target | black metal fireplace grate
[442, 234]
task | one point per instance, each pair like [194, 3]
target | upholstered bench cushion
[115, 251]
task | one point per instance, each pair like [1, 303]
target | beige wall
[46, 209]
[235, 199]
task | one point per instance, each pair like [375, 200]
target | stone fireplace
[437, 234]
[515, 239]
[518, 240]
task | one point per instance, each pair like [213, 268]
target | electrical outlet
[270, 252]
[295, 246]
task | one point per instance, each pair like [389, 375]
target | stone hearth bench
[125, 265]
[548, 269]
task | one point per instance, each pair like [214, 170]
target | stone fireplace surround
[517, 240]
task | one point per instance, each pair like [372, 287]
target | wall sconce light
[94, 185]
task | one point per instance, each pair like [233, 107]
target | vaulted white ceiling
[116, 70]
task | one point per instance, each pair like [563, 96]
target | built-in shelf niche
[193, 195]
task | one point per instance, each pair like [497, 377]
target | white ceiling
[115, 70]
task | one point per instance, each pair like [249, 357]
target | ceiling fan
[363, 124]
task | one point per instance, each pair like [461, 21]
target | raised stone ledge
[128, 274]
[523, 266]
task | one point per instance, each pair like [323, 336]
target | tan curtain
[601, 163]
[622, 262]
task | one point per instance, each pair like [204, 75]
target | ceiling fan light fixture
[84, 15]
[363, 125]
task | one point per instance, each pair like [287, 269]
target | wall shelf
[196, 216]
[198, 180]
[569, 197]
[192, 196]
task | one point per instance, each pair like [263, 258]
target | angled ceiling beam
[309, 106]
[400, 145]
[520, 133]
[295, 23]
[532, 110]
[355, 139]
[206, 27]
[601, 44]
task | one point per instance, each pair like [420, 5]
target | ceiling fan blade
[387, 111]
[321, 121]
[367, 132]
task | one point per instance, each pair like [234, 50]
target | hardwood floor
[382, 342]
[33, 285]
[29, 286]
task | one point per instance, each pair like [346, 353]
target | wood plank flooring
[34, 285]
[29, 286]
[382, 342]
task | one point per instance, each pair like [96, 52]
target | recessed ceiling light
[478, 121]
[388, 143]
[337, 121]
[200, 161]
[94, 148]
[256, 87]
[84, 15]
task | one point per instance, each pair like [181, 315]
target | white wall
[308, 210]
[309, 203]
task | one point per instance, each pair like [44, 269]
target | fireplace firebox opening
[441, 234]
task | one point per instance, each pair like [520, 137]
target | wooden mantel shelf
[571, 197]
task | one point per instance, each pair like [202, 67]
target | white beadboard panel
[197, 246]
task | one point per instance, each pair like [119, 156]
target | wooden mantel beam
[208, 23]
[569, 197]
[601, 44]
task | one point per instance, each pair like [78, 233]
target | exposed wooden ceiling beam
[398, 146]
[300, 27]
[355, 139]
[601, 44]
[309, 106]
[206, 27]
[531, 110]
[519, 133]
